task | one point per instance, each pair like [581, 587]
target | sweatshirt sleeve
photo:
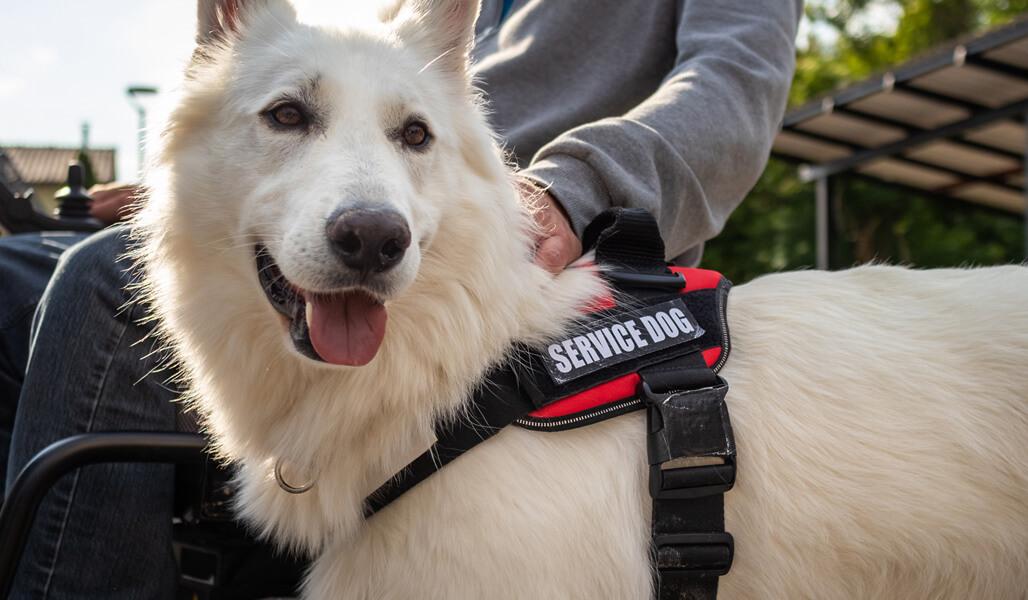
[691, 151]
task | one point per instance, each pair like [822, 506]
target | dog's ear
[218, 20]
[446, 27]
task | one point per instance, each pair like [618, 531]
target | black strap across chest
[690, 446]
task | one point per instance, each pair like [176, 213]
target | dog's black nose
[369, 240]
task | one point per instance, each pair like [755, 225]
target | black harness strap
[687, 418]
[494, 406]
[690, 546]
[627, 239]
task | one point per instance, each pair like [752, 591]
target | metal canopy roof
[949, 124]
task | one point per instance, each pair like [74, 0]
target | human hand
[556, 245]
[113, 202]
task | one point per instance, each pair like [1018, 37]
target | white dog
[880, 413]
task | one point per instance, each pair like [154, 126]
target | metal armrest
[57, 459]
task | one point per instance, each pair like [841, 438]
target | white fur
[880, 412]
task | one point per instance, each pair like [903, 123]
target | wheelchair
[218, 559]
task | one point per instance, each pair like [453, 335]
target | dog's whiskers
[434, 60]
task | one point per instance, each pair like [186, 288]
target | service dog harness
[659, 346]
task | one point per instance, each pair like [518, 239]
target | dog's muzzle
[342, 327]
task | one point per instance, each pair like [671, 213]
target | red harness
[580, 408]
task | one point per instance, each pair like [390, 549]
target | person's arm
[114, 202]
[691, 151]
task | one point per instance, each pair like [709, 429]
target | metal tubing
[901, 77]
[141, 150]
[1002, 68]
[823, 223]
[910, 129]
[998, 180]
[57, 459]
[978, 120]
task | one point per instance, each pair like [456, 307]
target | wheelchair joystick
[18, 213]
[74, 204]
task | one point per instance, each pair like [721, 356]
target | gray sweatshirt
[668, 105]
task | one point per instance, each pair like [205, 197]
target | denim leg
[26, 263]
[105, 530]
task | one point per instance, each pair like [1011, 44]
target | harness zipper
[722, 315]
[579, 418]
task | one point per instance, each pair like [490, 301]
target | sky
[65, 62]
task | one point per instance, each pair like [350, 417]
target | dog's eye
[416, 135]
[288, 115]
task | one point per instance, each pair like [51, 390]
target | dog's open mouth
[341, 328]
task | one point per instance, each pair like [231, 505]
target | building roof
[9, 176]
[950, 123]
[49, 165]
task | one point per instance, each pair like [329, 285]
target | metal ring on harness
[286, 486]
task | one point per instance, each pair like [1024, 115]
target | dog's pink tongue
[346, 329]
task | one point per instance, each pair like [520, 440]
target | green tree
[88, 175]
[773, 230]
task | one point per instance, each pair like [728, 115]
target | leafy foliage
[773, 230]
[89, 176]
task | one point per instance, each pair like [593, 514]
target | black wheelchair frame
[42, 472]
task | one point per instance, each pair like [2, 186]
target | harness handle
[627, 238]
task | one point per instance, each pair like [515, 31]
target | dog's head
[311, 182]
[332, 153]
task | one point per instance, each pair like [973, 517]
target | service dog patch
[597, 344]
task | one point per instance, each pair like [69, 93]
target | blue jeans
[103, 531]
[26, 264]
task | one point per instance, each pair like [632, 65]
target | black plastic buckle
[693, 554]
[689, 424]
[669, 281]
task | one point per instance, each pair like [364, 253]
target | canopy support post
[823, 222]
